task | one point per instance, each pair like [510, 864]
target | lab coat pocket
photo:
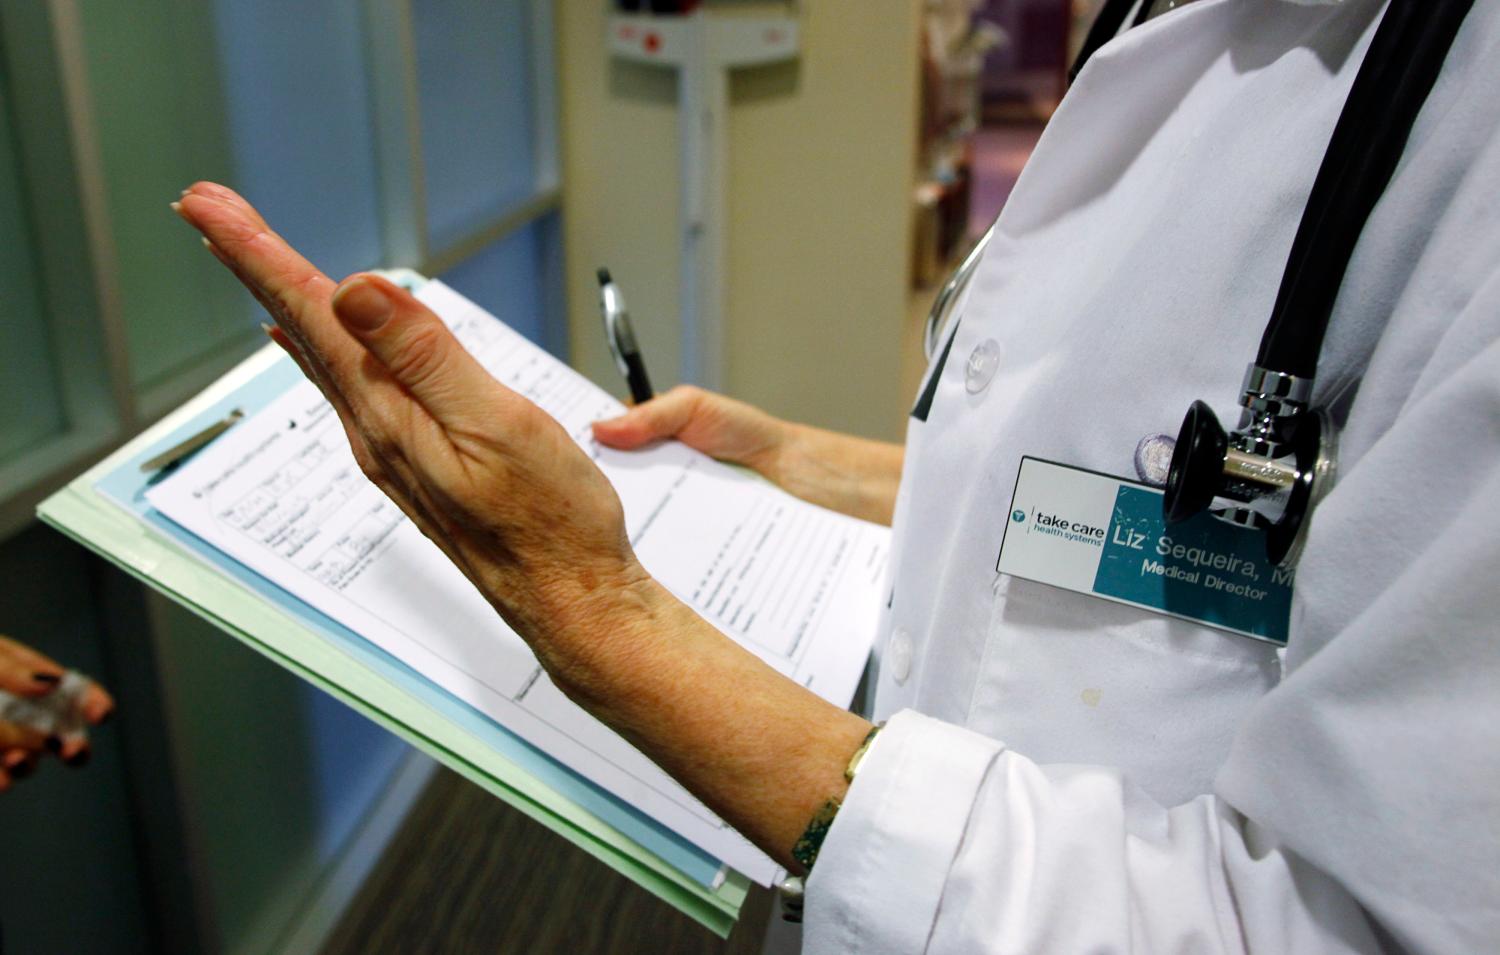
[1068, 678]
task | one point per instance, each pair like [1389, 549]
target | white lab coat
[1062, 774]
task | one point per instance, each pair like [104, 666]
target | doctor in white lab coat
[1058, 773]
[1062, 774]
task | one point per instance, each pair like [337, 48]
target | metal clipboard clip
[182, 450]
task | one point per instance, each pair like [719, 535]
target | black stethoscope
[1270, 471]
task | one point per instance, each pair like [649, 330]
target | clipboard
[105, 510]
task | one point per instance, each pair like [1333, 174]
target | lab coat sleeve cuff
[882, 868]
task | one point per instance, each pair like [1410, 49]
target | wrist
[597, 635]
[760, 750]
[785, 454]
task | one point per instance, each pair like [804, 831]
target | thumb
[414, 345]
[664, 416]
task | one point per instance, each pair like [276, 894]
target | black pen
[621, 338]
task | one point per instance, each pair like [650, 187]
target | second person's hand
[30, 675]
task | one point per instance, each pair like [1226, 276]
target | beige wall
[820, 172]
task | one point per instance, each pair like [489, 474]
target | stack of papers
[272, 533]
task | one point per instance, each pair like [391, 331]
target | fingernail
[266, 328]
[175, 206]
[362, 305]
[51, 679]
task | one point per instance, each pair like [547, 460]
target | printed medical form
[797, 585]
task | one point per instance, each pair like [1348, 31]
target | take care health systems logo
[1058, 525]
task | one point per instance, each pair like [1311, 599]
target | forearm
[855, 476]
[759, 750]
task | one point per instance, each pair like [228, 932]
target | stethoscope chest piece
[1267, 475]
[1197, 461]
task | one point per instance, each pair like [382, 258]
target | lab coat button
[898, 655]
[983, 361]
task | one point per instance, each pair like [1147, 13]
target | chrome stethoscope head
[1267, 474]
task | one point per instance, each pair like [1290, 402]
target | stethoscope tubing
[948, 295]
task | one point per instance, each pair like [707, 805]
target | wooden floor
[469, 874]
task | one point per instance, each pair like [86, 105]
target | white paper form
[797, 585]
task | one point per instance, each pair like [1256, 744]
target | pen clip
[621, 340]
[180, 451]
[618, 334]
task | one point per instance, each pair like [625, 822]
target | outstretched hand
[488, 476]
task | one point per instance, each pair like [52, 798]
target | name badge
[1094, 534]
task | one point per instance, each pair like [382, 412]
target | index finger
[299, 292]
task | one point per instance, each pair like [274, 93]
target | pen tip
[604, 278]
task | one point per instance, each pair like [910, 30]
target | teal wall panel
[475, 86]
[156, 99]
[28, 386]
[300, 125]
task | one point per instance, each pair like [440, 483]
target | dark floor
[468, 874]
